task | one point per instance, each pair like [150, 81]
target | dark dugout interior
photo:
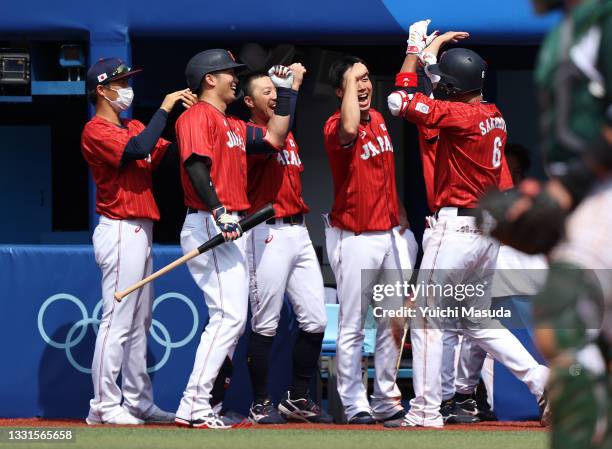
[508, 84]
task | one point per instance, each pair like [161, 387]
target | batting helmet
[459, 71]
[208, 61]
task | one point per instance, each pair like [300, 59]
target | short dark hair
[339, 68]
[521, 153]
[247, 81]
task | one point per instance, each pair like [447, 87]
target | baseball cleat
[467, 403]
[265, 413]
[238, 421]
[303, 409]
[399, 423]
[122, 419]
[395, 416]
[159, 416]
[545, 412]
[362, 418]
[210, 421]
[453, 414]
[486, 415]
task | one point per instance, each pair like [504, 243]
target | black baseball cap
[107, 70]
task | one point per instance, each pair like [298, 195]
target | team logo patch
[102, 77]
[422, 108]
[268, 239]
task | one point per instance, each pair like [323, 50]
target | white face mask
[125, 95]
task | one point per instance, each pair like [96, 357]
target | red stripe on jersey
[122, 190]
[470, 149]
[365, 196]
[206, 131]
[275, 178]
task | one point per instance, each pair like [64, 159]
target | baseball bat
[246, 223]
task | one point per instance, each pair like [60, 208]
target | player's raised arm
[142, 145]
[278, 125]
[406, 80]
[298, 71]
[258, 137]
[350, 112]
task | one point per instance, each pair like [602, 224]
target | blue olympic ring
[81, 326]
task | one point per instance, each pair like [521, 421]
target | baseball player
[281, 258]
[363, 233]
[213, 148]
[573, 77]
[122, 155]
[468, 161]
[516, 275]
[458, 404]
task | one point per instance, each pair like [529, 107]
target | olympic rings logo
[78, 330]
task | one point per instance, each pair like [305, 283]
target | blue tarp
[291, 20]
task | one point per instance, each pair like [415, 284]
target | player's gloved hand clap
[529, 218]
[227, 223]
[418, 38]
[427, 58]
[281, 76]
[298, 71]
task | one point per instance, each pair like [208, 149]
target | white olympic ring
[81, 325]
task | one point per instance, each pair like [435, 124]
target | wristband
[406, 79]
[283, 101]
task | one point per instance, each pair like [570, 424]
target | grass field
[288, 438]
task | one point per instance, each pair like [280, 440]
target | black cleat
[362, 418]
[453, 414]
[265, 413]
[303, 409]
[398, 415]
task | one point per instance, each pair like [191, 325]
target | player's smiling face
[364, 86]
[263, 97]
[226, 84]
[364, 92]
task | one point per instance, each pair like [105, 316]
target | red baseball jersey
[428, 139]
[275, 178]
[206, 131]
[365, 196]
[122, 190]
[469, 151]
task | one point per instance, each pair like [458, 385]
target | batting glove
[427, 58]
[227, 223]
[281, 76]
[418, 39]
